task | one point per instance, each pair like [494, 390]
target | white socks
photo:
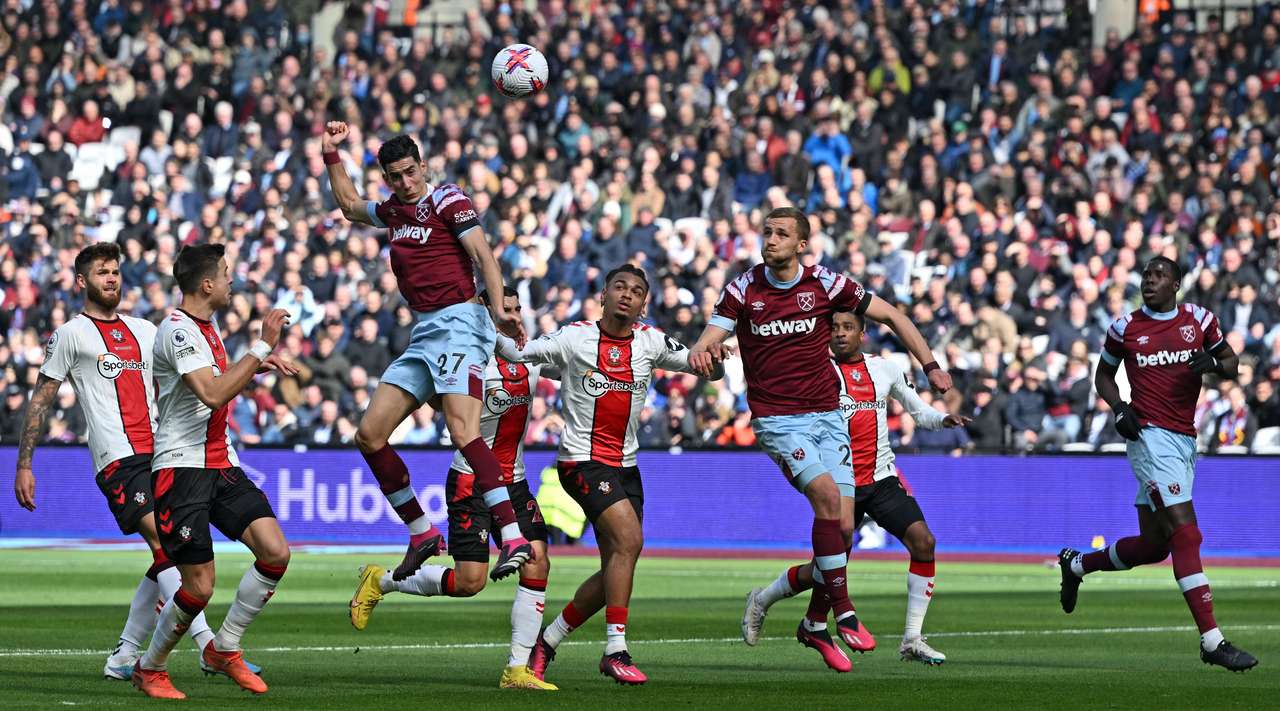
[256, 588]
[557, 631]
[919, 592]
[778, 589]
[428, 581]
[143, 613]
[174, 619]
[1210, 640]
[526, 618]
[169, 581]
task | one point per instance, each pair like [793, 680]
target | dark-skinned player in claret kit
[1167, 348]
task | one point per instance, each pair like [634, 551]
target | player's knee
[275, 554]
[368, 441]
[825, 498]
[468, 583]
[461, 431]
[199, 586]
[921, 545]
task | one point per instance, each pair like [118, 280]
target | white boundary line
[641, 642]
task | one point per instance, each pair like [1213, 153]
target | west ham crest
[1188, 333]
[615, 354]
[422, 211]
[117, 336]
[806, 300]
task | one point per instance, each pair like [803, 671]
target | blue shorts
[447, 354]
[1165, 464]
[807, 446]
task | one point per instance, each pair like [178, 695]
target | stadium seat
[1267, 441]
[222, 170]
[124, 135]
[35, 149]
[1114, 448]
[1076, 447]
[1233, 449]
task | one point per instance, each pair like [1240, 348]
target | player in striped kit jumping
[866, 384]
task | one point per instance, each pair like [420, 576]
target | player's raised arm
[477, 247]
[218, 390]
[878, 309]
[353, 207]
[24, 480]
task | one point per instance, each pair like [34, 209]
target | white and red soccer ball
[519, 71]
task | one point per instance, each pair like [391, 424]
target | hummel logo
[164, 515]
[167, 527]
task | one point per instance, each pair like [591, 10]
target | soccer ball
[519, 71]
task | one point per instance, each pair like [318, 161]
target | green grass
[1128, 645]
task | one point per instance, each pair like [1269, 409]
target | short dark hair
[795, 213]
[398, 148]
[627, 269]
[857, 317]
[195, 263]
[506, 291]
[108, 251]
[1173, 266]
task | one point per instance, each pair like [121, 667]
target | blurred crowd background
[995, 174]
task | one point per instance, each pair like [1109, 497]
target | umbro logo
[757, 305]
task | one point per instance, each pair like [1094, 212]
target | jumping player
[196, 474]
[435, 238]
[781, 312]
[508, 391]
[107, 357]
[605, 371]
[1166, 349]
[866, 384]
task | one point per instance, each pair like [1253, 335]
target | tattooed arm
[24, 481]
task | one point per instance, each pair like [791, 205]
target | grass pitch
[1128, 645]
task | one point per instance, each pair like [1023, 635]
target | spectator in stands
[1237, 425]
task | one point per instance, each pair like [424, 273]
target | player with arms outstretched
[509, 389]
[435, 239]
[107, 357]
[866, 384]
[781, 312]
[605, 367]
[197, 477]
[1167, 348]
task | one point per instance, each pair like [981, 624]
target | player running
[107, 356]
[1166, 349]
[605, 371]
[508, 390]
[435, 238]
[197, 475]
[866, 384]
[781, 312]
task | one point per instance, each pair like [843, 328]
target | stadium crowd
[999, 178]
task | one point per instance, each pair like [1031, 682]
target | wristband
[931, 366]
[260, 350]
[332, 158]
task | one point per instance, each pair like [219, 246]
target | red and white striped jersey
[508, 391]
[865, 386]
[603, 384]
[109, 364]
[189, 434]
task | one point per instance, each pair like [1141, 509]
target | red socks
[829, 557]
[393, 479]
[1185, 543]
[1124, 554]
[489, 481]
